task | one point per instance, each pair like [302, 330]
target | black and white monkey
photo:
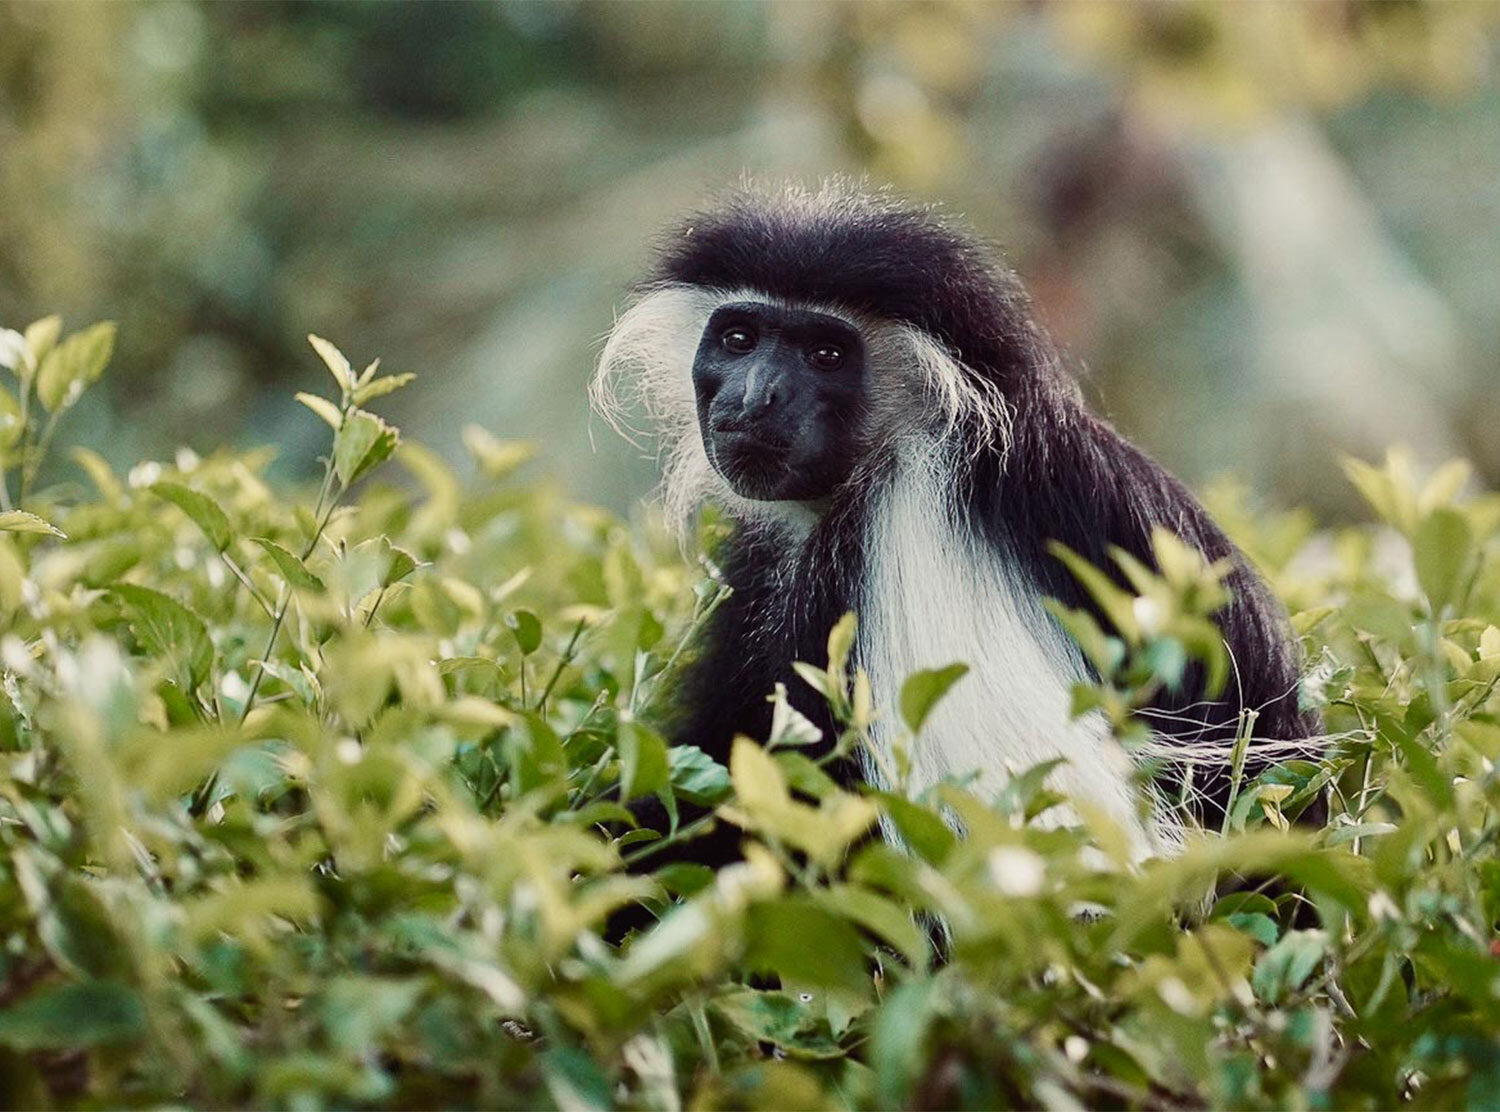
[863, 390]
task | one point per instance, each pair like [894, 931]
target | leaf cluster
[317, 798]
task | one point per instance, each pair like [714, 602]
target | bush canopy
[318, 799]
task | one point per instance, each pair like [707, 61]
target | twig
[562, 663]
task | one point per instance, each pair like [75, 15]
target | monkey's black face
[779, 399]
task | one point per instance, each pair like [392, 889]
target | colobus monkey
[865, 393]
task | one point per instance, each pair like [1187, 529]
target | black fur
[1067, 475]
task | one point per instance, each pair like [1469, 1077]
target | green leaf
[98, 470]
[323, 408]
[889, 921]
[361, 443]
[534, 754]
[1288, 964]
[1168, 661]
[395, 563]
[899, 1041]
[380, 387]
[1444, 485]
[167, 629]
[575, 1081]
[919, 827]
[1104, 652]
[71, 917]
[643, 761]
[203, 510]
[841, 644]
[338, 366]
[70, 1016]
[815, 678]
[358, 1012]
[1117, 603]
[293, 570]
[697, 777]
[526, 627]
[19, 521]
[10, 419]
[73, 364]
[1258, 926]
[790, 726]
[496, 458]
[804, 775]
[779, 1018]
[922, 690]
[41, 335]
[801, 941]
[758, 782]
[1441, 550]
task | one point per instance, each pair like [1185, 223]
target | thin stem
[562, 663]
[244, 579]
[374, 606]
[699, 618]
[683, 834]
[199, 803]
[32, 461]
[1237, 763]
[284, 598]
[24, 417]
[705, 1036]
[582, 793]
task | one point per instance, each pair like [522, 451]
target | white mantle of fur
[936, 595]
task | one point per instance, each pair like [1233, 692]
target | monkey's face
[779, 399]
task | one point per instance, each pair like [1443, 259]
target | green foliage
[318, 801]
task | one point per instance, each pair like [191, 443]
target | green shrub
[318, 802]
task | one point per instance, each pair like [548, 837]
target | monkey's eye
[826, 357]
[738, 341]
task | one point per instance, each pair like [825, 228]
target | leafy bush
[319, 802]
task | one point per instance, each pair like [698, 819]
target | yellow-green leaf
[10, 419]
[1444, 485]
[1441, 551]
[203, 510]
[169, 630]
[527, 629]
[643, 761]
[380, 387]
[323, 408]
[19, 521]
[73, 364]
[338, 366]
[1116, 603]
[363, 441]
[41, 335]
[293, 570]
[495, 457]
[922, 690]
[99, 472]
[73, 1015]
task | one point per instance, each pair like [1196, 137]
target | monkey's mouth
[755, 467]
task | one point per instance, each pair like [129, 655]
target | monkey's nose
[760, 394]
[756, 403]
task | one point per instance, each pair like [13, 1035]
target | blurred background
[1263, 233]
